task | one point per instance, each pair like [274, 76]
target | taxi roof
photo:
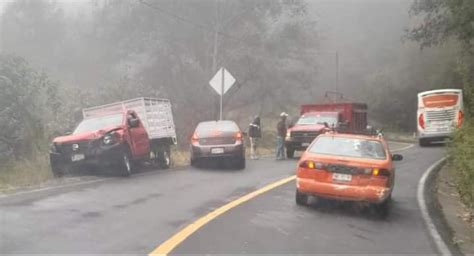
[353, 136]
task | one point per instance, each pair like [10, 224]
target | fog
[282, 53]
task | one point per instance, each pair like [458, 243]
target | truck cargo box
[156, 115]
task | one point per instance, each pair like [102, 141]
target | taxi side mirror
[397, 157]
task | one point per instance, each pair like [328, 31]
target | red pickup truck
[117, 135]
[315, 118]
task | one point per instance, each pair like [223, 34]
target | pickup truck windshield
[317, 119]
[94, 124]
[349, 147]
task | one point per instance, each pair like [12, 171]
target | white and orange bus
[440, 112]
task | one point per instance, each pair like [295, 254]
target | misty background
[61, 56]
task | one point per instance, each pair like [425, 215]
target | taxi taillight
[308, 164]
[380, 172]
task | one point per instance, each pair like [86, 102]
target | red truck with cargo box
[315, 118]
[117, 135]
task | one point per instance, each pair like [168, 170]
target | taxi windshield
[349, 147]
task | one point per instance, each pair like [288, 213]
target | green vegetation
[462, 162]
[445, 21]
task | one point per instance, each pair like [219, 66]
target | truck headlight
[288, 134]
[109, 139]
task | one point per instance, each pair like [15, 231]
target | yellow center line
[179, 237]
[166, 247]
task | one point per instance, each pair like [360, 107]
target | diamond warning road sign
[216, 81]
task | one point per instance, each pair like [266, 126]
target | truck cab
[315, 119]
[108, 139]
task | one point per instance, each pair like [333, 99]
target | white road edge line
[440, 244]
[404, 148]
[53, 188]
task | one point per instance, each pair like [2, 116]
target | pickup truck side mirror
[397, 157]
[133, 122]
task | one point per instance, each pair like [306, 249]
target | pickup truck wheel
[126, 165]
[290, 153]
[57, 171]
[165, 159]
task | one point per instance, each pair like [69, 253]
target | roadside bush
[462, 162]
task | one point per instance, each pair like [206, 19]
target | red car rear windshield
[348, 147]
[209, 128]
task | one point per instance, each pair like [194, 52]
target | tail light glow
[380, 172]
[460, 119]
[312, 165]
[421, 120]
[238, 136]
[195, 138]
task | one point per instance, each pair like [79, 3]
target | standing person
[281, 133]
[255, 132]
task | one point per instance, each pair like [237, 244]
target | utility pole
[222, 93]
[337, 71]
[216, 41]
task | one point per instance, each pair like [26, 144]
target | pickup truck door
[139, 141]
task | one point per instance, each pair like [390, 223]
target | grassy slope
[462, 162]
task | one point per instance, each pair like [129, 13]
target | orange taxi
[347, 167]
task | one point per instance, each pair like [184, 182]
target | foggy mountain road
[136, 214]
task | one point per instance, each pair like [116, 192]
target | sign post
[221, 83]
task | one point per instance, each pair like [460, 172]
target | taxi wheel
[383, 209]
[301, 199]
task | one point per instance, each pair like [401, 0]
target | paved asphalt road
[134, 215]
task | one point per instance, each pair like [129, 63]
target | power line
[189, 21]
[240, 40]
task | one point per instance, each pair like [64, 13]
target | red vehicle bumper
[371, 194]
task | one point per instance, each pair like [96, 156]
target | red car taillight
[460, 118]
[194, 138]
[238, 136]
[421, 121]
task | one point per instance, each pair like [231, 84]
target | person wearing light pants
[255, 133]
[281, 133]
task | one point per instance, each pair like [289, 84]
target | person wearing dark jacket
[255, 133]
[281, 133]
